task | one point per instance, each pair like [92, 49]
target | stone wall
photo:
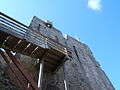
[82, 71]
[7, 78]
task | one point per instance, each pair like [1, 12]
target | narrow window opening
[57, 39]
[76, 54]
[39, 27]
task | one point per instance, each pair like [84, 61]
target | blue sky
[95, 22]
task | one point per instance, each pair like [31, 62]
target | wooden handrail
[13, 19]
[28, 27]
[24, 27]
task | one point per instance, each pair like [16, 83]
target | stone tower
[82, 71]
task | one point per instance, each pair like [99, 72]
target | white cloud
[94, 4]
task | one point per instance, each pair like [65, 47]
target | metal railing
[25, 31]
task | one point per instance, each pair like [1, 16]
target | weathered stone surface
[6, 82]
[82, 71]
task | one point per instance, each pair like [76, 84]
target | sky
[95, 22]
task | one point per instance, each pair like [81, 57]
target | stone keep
[82, 71]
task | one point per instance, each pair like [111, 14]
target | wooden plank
[56, 53]
[35, 41]
[11, 42]
[11, 31]
[52, 61]
[22, 45]
[60, 63]
[39, 52]
[22, 70]
[3, 37]
[30, 48]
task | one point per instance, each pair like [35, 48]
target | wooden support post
[64, 77]
[40, 73]
[12, 69]
[22, 70]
